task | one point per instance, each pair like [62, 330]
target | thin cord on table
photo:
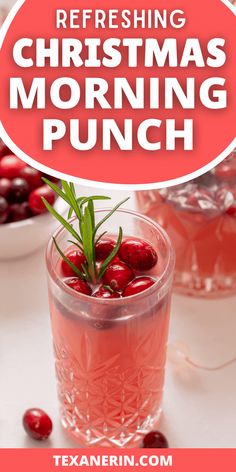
[219, 367]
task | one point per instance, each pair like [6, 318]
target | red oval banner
[142, 97]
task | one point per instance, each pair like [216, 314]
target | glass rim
[160, 283]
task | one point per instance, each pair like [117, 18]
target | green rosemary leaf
[80, 202]
[85, 269]
[87, 235]
[71, 196]
[90, 207]
[70, 213]
[100, 237]
[109, 214]
[61, 220]
[56, 189]
[75, 244]
[111, 255]
[72, 266]
[91, 211]
[80, 227]
[72, 188]
[107, 287]
[65, 185]
[93, 197]
[62, 194]
[83, 200]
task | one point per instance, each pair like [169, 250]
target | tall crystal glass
[110, 353]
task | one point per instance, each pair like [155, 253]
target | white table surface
[199, 407]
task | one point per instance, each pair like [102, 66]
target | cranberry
[104, 292]
[4, 210]
[77, 257]
[155, 439]
[19, 190]
[19, 211]
[32, 176]
[3, 149]
[10, 166]
[138, 285]
[139, 254]
[5, 185]
[35, 199]
[37, 424]
[79, 285]
[118, 275]
[115, 260]
[104, 247]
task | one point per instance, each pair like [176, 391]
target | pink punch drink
[200, 218]
[110, 352]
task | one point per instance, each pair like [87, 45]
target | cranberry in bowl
[24, 222]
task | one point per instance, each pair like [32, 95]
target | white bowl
[24, 237]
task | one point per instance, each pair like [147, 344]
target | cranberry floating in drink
[77, 258]
[103, 248]
[109, 295]
[106, 292]
[200, 218]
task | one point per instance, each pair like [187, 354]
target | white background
[199, 407]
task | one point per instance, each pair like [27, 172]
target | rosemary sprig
[60, 218]
[87, 236]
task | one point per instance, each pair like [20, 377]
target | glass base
[121, 438]
[194, 286]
